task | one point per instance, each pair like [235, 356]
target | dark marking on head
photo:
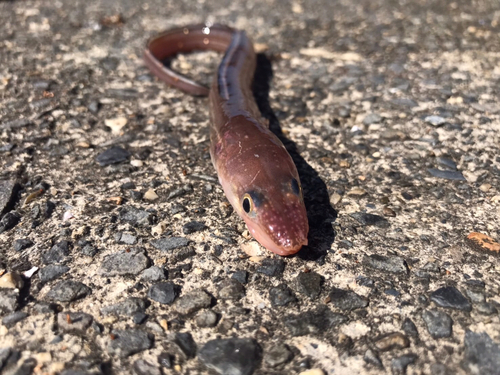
[257, 198]
[295, 187]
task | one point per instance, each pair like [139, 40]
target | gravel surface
[119, 253]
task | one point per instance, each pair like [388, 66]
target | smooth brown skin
[255, 170]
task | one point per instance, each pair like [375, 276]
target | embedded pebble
[192, 302]
[277, 355]
[74, 322]
[235, 356]
[435, 120]
[127, 307]
[450, 297]
[153, 274]
[164, 293]
[52, 272]
[57, 253]
[126, 238]
[447, 163]
[482, 354]
[169, 243]
[439, 324]
[135, 216]
[150, 195]
[184, 344]
[241, 276]
[272, 267]
[22, 244]
[392, 341]
[125, 262]
[347, 299]
[446, 174]
[309, 284]
[13, 318]
[68, 291]
[8, 191]
[192, 227]
[409, 327]
[9, 221]
[143, 367]
[372, 358]
[314, 321]
[372, 118]
[483, 243]
[206, 318]
[393, 264]
[281, 295]
[370, 219]
[124, 343]
[399, 364]
[113, 155]
[486, 308]
[231, 289]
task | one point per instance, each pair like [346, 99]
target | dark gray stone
[9, 300]
[125, 262]
[372, 358]
[13, 318]
[241, 276]
[409, 327]
[57, 253]
[8, 193]
[135, 216]
[393, 264]
[272, 267]
[153, 274]
[314, 322]
[233, 356]
[139, 318]
[193, 226]
[309, 284]
[4, 356]
[486, 308]
[449, 297]
[113, 155]
[446, 174]
[482, 354]
[52, 272]
[130, 341]
[192, 302]
[370, 219]
[447, 163]
[164, 293]
[400, 364]
[68, 291]
[185, 344]
[9, 221]
[231, 289]
[438, 323]
[142, 367]
[22, 244]
[74, 322]
[281, 295]
[206, 318]
[347, 300]
[127, 239]
[277, 355]
[169, 243]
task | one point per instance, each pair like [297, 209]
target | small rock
[193, 226]
[409, 327]
[447, 163]
[57, 253]
[438, 323]
[486, 308]
[482, 354]
[241, 276]
[281, 295]
[447, 175]
[74, 322]
[435, 120]
[206, 318]
[126, 262]
[8, 195]
[116, 124]
[150, 195]
[135, 216]
[9, 221]
[399, 364]
[13, 318]
[393, 264]
[277, 355]
[52, 272]
[314, 321]
[169, 243]
[164, 293]
[113, 155]
[126, 238]
[22, 244]
[347, 300]
[370, 219]
[231, 289]
[233, 356]
[68, 291]
[142, 367]
[124, 343]
[372, 118]
[450, 297]
[185, 344]
[309, 284]
[192, 302]
[272, 267]
[153, 274]
[139, 318]
[127, 307]
[475, 296]
[11, 280]
[483, 243]
[372, 358]
[392, 341]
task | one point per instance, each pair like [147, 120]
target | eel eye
[295, 186]
[247, 203]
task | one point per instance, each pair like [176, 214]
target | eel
[256, 172]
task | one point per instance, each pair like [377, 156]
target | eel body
[256, 172]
